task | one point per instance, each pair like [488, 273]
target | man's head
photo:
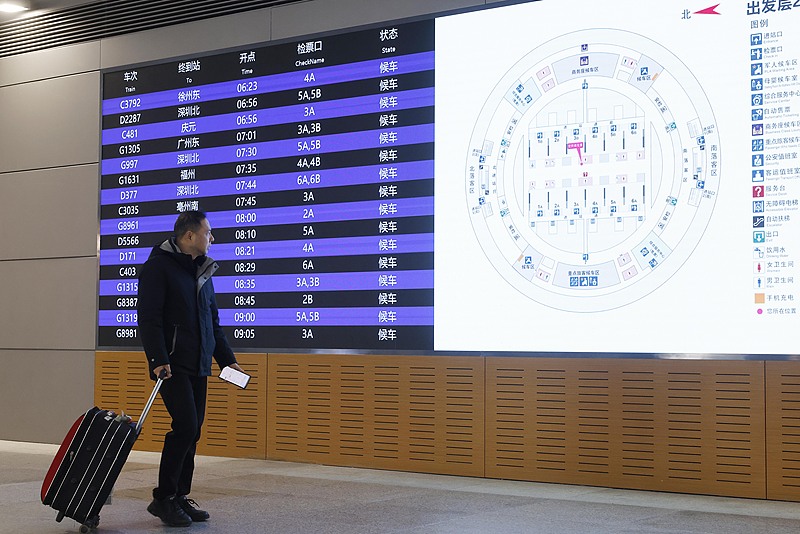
[193, 233]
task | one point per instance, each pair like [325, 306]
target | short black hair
[188, 221]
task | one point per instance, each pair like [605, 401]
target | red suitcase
[87, 464]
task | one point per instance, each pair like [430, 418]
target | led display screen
[615, 177]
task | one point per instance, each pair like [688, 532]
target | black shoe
[190, 507]
[170, 512]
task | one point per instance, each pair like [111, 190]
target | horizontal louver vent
[98, 20]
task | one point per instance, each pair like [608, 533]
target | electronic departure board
[544, 177]
[314, 163]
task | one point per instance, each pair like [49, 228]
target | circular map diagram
[593, 170]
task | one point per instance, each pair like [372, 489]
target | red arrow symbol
[708, 11]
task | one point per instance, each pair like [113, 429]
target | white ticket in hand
[237, 378]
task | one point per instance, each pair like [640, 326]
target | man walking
[179, 324]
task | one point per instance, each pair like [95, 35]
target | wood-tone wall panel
[121, 385]
[694, 426]
[409, 413]
[236, 417]
[235, 425]
[783, 430]
[685, 426]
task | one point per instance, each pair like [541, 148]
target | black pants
[185, 399]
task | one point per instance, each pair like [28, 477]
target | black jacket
[178, 316]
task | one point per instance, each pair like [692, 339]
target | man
[179, 325]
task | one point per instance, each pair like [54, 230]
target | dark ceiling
[53, 23]
[40, 6]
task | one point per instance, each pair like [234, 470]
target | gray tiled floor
[260, 497]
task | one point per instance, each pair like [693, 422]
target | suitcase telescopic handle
[150, 401]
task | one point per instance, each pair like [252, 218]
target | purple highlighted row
[301, 148]
[274, 283]
[376, 68]
[269, 183]
[389, 317]
[307, 214]
[345, 107]
[264, 250]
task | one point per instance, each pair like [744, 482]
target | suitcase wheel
[90, 524]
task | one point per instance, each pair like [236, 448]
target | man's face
[200, 241]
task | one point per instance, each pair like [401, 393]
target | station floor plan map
[617, 177]
[594, 161]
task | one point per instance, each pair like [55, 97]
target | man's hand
[236, 366]
[157, 371]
